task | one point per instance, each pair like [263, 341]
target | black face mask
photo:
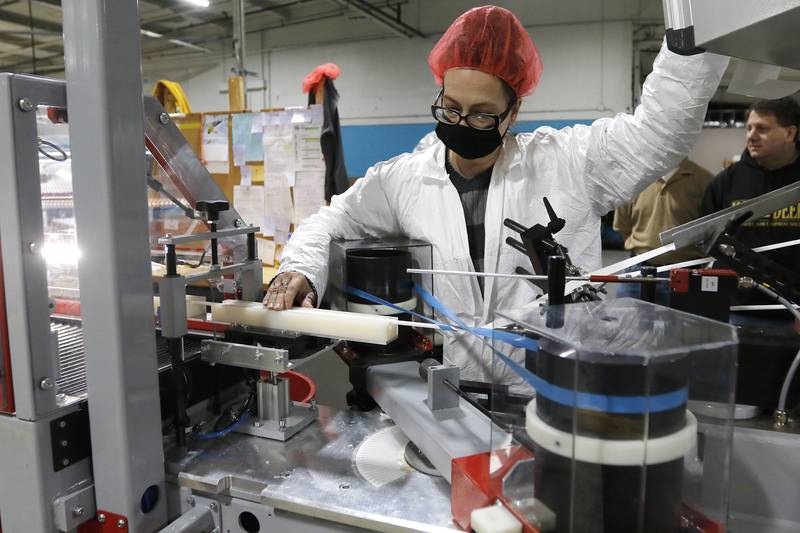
[469, 143]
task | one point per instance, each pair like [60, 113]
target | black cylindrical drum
[604, 481]
[380, 272]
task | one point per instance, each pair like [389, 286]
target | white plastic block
[315, 322]
[195, 307]
[494, 519]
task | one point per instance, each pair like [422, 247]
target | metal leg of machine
[105, 111]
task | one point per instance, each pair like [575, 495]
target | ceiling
[31, 32]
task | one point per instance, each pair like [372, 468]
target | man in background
[671, 201]
[769, 162]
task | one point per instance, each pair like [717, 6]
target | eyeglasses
[478, 121]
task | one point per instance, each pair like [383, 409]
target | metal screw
[101, 518]
[120, 523]
[62, 424]
[344, 486]
[781, 418]
[25, 104]
[257, 356]
[64, 443]
[282, 424]
[46, 384]
[163, 118]
[257, 424]
[727, 250]
[290, 365]
[65, 461]
[78, 511]
[213, 506]
[190, 500]
[33, 248]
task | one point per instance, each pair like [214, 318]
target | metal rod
[515, 244]
[214, 251]
[595, 278]
[180, 419]
[515, 226]
[172, 261]
[251, 246]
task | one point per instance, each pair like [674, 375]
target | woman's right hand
[289, 289]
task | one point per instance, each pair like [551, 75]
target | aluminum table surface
[314, 474]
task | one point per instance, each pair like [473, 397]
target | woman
[455, 194]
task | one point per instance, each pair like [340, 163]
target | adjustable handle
[212, 209]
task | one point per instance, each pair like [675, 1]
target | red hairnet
[328, 70]
[490, 39]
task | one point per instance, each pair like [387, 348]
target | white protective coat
[584, 171]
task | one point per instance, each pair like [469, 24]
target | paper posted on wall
[215, 142]
[279, 152]
[309, 194]
[247, 144]
[266, 252]
[249, 203]
[278, 207]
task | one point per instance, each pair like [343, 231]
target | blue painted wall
[366, 145]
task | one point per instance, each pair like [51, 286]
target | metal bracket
[70, 439]
[245, 356]
[219, 234]
[748, 263]
[708, 228]
[172, 292]
[440, 395]
[74, 508]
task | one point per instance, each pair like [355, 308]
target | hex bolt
[120, 523]
[101, 518]
[46, 384]
[213, 506]
[78, 511]
[163, 118]
[282, 424]
[25, 104]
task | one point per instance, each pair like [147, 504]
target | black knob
[212, 209]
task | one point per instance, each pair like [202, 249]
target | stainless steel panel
[245, 356]
[314, 474]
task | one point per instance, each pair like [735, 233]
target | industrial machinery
[124, 413]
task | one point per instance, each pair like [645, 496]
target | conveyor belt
[72, 364]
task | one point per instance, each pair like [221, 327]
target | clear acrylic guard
[622, 420]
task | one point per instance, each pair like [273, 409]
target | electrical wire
[62, 155]
[244, 417]
[787, 382]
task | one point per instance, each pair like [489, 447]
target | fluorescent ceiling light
[201, 3]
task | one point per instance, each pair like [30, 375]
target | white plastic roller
[316, 322]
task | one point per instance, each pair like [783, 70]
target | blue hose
[224, 431]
